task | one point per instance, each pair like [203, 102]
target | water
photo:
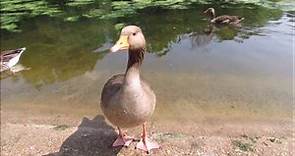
[196, 71]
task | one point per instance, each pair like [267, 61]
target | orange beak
[121, 44]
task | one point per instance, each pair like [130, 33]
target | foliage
[79, 2]
[13, 11]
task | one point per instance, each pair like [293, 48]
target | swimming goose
[223, 19]
[126, 100]
[10, 58]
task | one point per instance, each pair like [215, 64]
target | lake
[198, 71]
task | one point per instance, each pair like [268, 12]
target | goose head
[131, 38]
[210, 11]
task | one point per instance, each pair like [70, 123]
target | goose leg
[123, 139]
[146, 144]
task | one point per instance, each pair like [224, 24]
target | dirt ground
[65, 135]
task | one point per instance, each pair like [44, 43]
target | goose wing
[111, 87]
[226, 19]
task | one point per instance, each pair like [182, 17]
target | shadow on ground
[93, 137]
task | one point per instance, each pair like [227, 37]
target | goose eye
[134, 34]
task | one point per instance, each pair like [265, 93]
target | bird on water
[10, 58]
[223, 19]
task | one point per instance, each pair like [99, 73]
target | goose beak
[121, 44]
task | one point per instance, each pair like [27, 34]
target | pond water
[197, 71]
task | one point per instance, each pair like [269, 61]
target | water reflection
[59, 50]
[202, 39]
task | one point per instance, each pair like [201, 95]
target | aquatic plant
[13, 11]
[79, 2]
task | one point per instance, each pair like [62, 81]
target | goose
[126, 99]
[223, 19]
[10, 58]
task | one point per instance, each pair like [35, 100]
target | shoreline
[55, 135]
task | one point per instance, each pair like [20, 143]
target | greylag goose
[10, 58]
[127, 100]
[223, 19]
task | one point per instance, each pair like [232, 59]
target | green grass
[61, 127]
[243, 146]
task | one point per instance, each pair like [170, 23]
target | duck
[10, 58]
[127, 100]
[223, 19]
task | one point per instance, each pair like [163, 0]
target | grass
[61, 127]
[253, 140]
[243, 146]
